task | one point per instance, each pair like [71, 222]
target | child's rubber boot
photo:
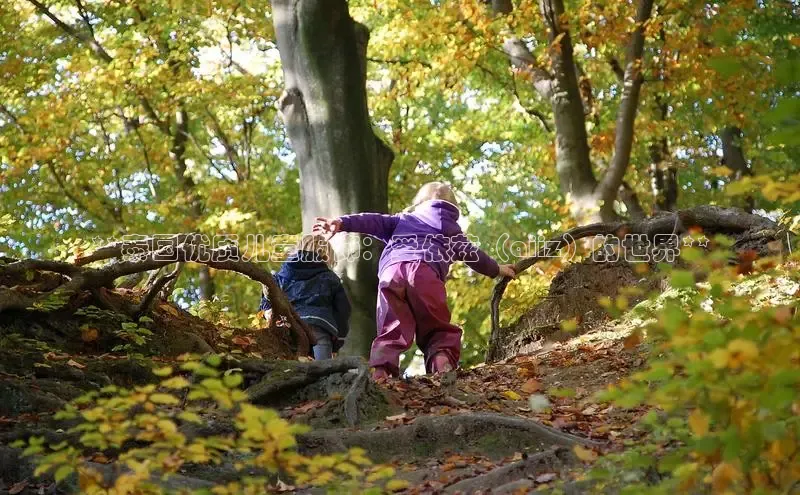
[440, 363]
[379, 374]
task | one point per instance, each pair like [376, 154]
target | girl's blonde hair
[433, 190]
[317, 244]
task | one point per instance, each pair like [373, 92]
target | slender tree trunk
[590, 199]
[733, 158]
[344, 167]
[664, 177]
[573, 162]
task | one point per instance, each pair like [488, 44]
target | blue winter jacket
[316, 293]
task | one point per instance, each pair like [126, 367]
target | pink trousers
[412, 301]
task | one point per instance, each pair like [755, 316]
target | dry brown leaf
[531, 386]
[75, 364]
[18, 487]
[89, 334]
[169, 308]
[632, 340]
[584, 454]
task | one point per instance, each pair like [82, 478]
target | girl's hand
[327, 225]
[507, 271]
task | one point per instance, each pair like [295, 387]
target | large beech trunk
[343, 166]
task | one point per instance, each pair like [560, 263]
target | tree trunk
[664, 177]
[343, 166]
[591, 200]
[733, 158]
[573, 162]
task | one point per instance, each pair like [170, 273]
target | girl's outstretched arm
[477, 259]
[374, 224]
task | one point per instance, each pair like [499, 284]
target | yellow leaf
[511, 395]
[175, 382]
[699, 423]
[89, 334]
[584, 454]
[719, 357]
[741, 351]
[723, 476]
[396, 485]
[165, 371]
[164, 399]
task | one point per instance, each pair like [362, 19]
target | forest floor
[563, 379]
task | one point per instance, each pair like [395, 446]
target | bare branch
[230, 150]
[399, 61]
[93, 44]
[617, 68]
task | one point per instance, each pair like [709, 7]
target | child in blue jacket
[316, 293]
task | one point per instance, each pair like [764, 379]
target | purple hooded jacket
[430, 233]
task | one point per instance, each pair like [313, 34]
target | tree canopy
[122, 118]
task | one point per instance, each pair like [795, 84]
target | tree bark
[733, 158]
[664, 177]
[591, 200]
[573, 162]
[626, 115]
[343, 166]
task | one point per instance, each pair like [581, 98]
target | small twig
[153, 291]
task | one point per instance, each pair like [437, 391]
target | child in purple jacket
[412, 300]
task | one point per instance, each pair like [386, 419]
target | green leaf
[62, 472]
[682, 279]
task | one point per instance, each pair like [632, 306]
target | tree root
[153, 255]
[288, 376]
[552, 460]
[354, 394]
[711, 219]
[485, 433]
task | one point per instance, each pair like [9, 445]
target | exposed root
[356, 390]
[153, 255]
[281, 378]
[553, 460]
[485, 433]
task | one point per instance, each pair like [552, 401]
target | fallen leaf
[52, 356]
[75, 364]
[18, 487]
[584, 454]
[243, 341]
[545, 477]
[589, 411]
[632, 340]
[531, 386]
[397, 417]
[169, 308]
[511, 395]
[308, 406]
